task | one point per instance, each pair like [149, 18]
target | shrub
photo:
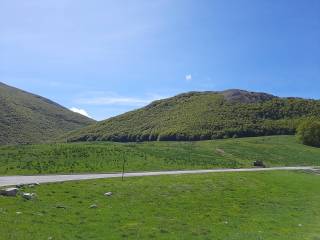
[309, 132]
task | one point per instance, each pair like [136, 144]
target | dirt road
[14, 180]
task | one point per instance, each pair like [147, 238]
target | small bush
[309, 133]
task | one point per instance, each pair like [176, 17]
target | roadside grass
[276, 205]
[146, 156]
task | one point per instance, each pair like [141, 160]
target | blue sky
[108, 57]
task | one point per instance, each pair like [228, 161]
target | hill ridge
[202, 116]
[30, 118]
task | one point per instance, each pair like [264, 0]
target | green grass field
[109, 157]
[228, 206]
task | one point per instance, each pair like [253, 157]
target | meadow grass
[276, 205]
[109, 156]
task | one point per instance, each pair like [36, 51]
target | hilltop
[29, 118]
[202, 116]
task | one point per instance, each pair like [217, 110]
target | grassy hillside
[203, 116]
[109, 157]
[28, 118]
[235, 206]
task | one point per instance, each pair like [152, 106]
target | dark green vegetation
[203, 116]
[108, 156]
[227, 206]
[309, 132]
[28, 118]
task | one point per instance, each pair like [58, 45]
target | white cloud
[81, 111]
[127, 101]
[118, 100]
[188, 77]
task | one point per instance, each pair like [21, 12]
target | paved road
[14, 180]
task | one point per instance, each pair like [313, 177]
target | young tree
[309, 132]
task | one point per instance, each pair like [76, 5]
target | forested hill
[204, 115]
[29, 118]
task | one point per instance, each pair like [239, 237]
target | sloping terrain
[202, 116]
[103, 157]
[28, 118]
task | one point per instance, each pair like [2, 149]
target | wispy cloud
[113, 101]
[81, 111]
[118, 100]
[188, 77]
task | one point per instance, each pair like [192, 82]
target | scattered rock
[18, 213]
[20, 185]
[300, 225]
[220, 151]
[30, 185]
[28, 196]
[61, 206]
[93, 206]
[9, 192]
[108, 194]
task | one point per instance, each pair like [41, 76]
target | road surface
[14, 180]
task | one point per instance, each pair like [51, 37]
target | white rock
[9, 192]
[108, 194]
[28, 196]
[93, 206]
[33, 185]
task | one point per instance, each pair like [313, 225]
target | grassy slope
[206, 115]
[108, 156]
[28, 118]
[251, 206]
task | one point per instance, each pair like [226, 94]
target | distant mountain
[28, 118]
[241, 96]
[204, 115]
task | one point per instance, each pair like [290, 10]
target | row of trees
[247, 131]
[308, 133]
